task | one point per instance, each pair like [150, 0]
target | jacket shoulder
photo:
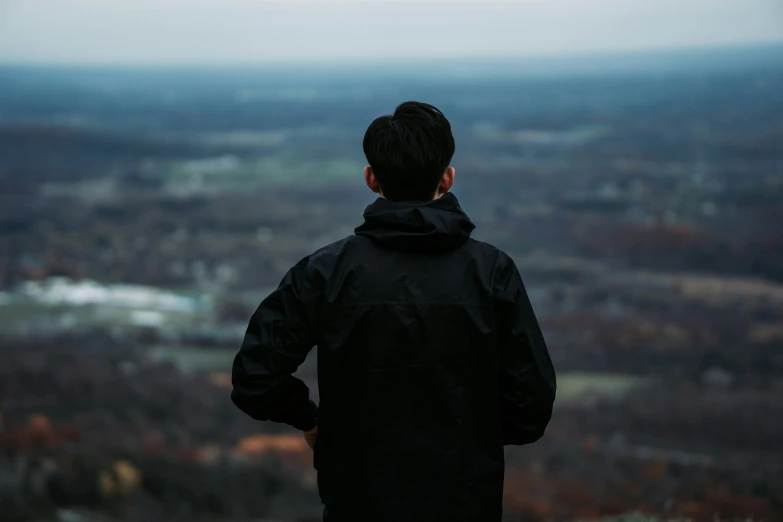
[485, 249]
[326, 257]
[334, 249]
[502, 267]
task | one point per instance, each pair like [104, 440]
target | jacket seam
[492, 276]
[492, 283]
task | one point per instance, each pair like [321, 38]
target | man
[430, 358]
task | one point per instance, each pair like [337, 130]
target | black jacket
[430, 359]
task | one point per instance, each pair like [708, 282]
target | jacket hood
[422, 226]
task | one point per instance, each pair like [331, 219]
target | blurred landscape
[145, 212]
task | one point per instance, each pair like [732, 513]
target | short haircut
[409, 151]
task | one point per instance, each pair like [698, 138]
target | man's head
[409, 153]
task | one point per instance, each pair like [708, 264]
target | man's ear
[446, 181]
[371, 180]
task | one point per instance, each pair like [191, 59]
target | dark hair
[409, 151]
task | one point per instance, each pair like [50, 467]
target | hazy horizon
[245, 32]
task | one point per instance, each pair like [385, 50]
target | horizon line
[300, 63]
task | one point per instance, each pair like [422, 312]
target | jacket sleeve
[277, 341]
[527, 382]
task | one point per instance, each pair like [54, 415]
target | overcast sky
[257, 31]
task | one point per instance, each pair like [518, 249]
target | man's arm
[278, 338]
[527, 381]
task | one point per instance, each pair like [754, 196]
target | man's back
[418, 328]
[430, 357]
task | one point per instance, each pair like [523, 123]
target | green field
[576, 386]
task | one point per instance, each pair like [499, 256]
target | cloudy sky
[257, 31]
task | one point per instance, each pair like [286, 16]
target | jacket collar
[424, 226]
